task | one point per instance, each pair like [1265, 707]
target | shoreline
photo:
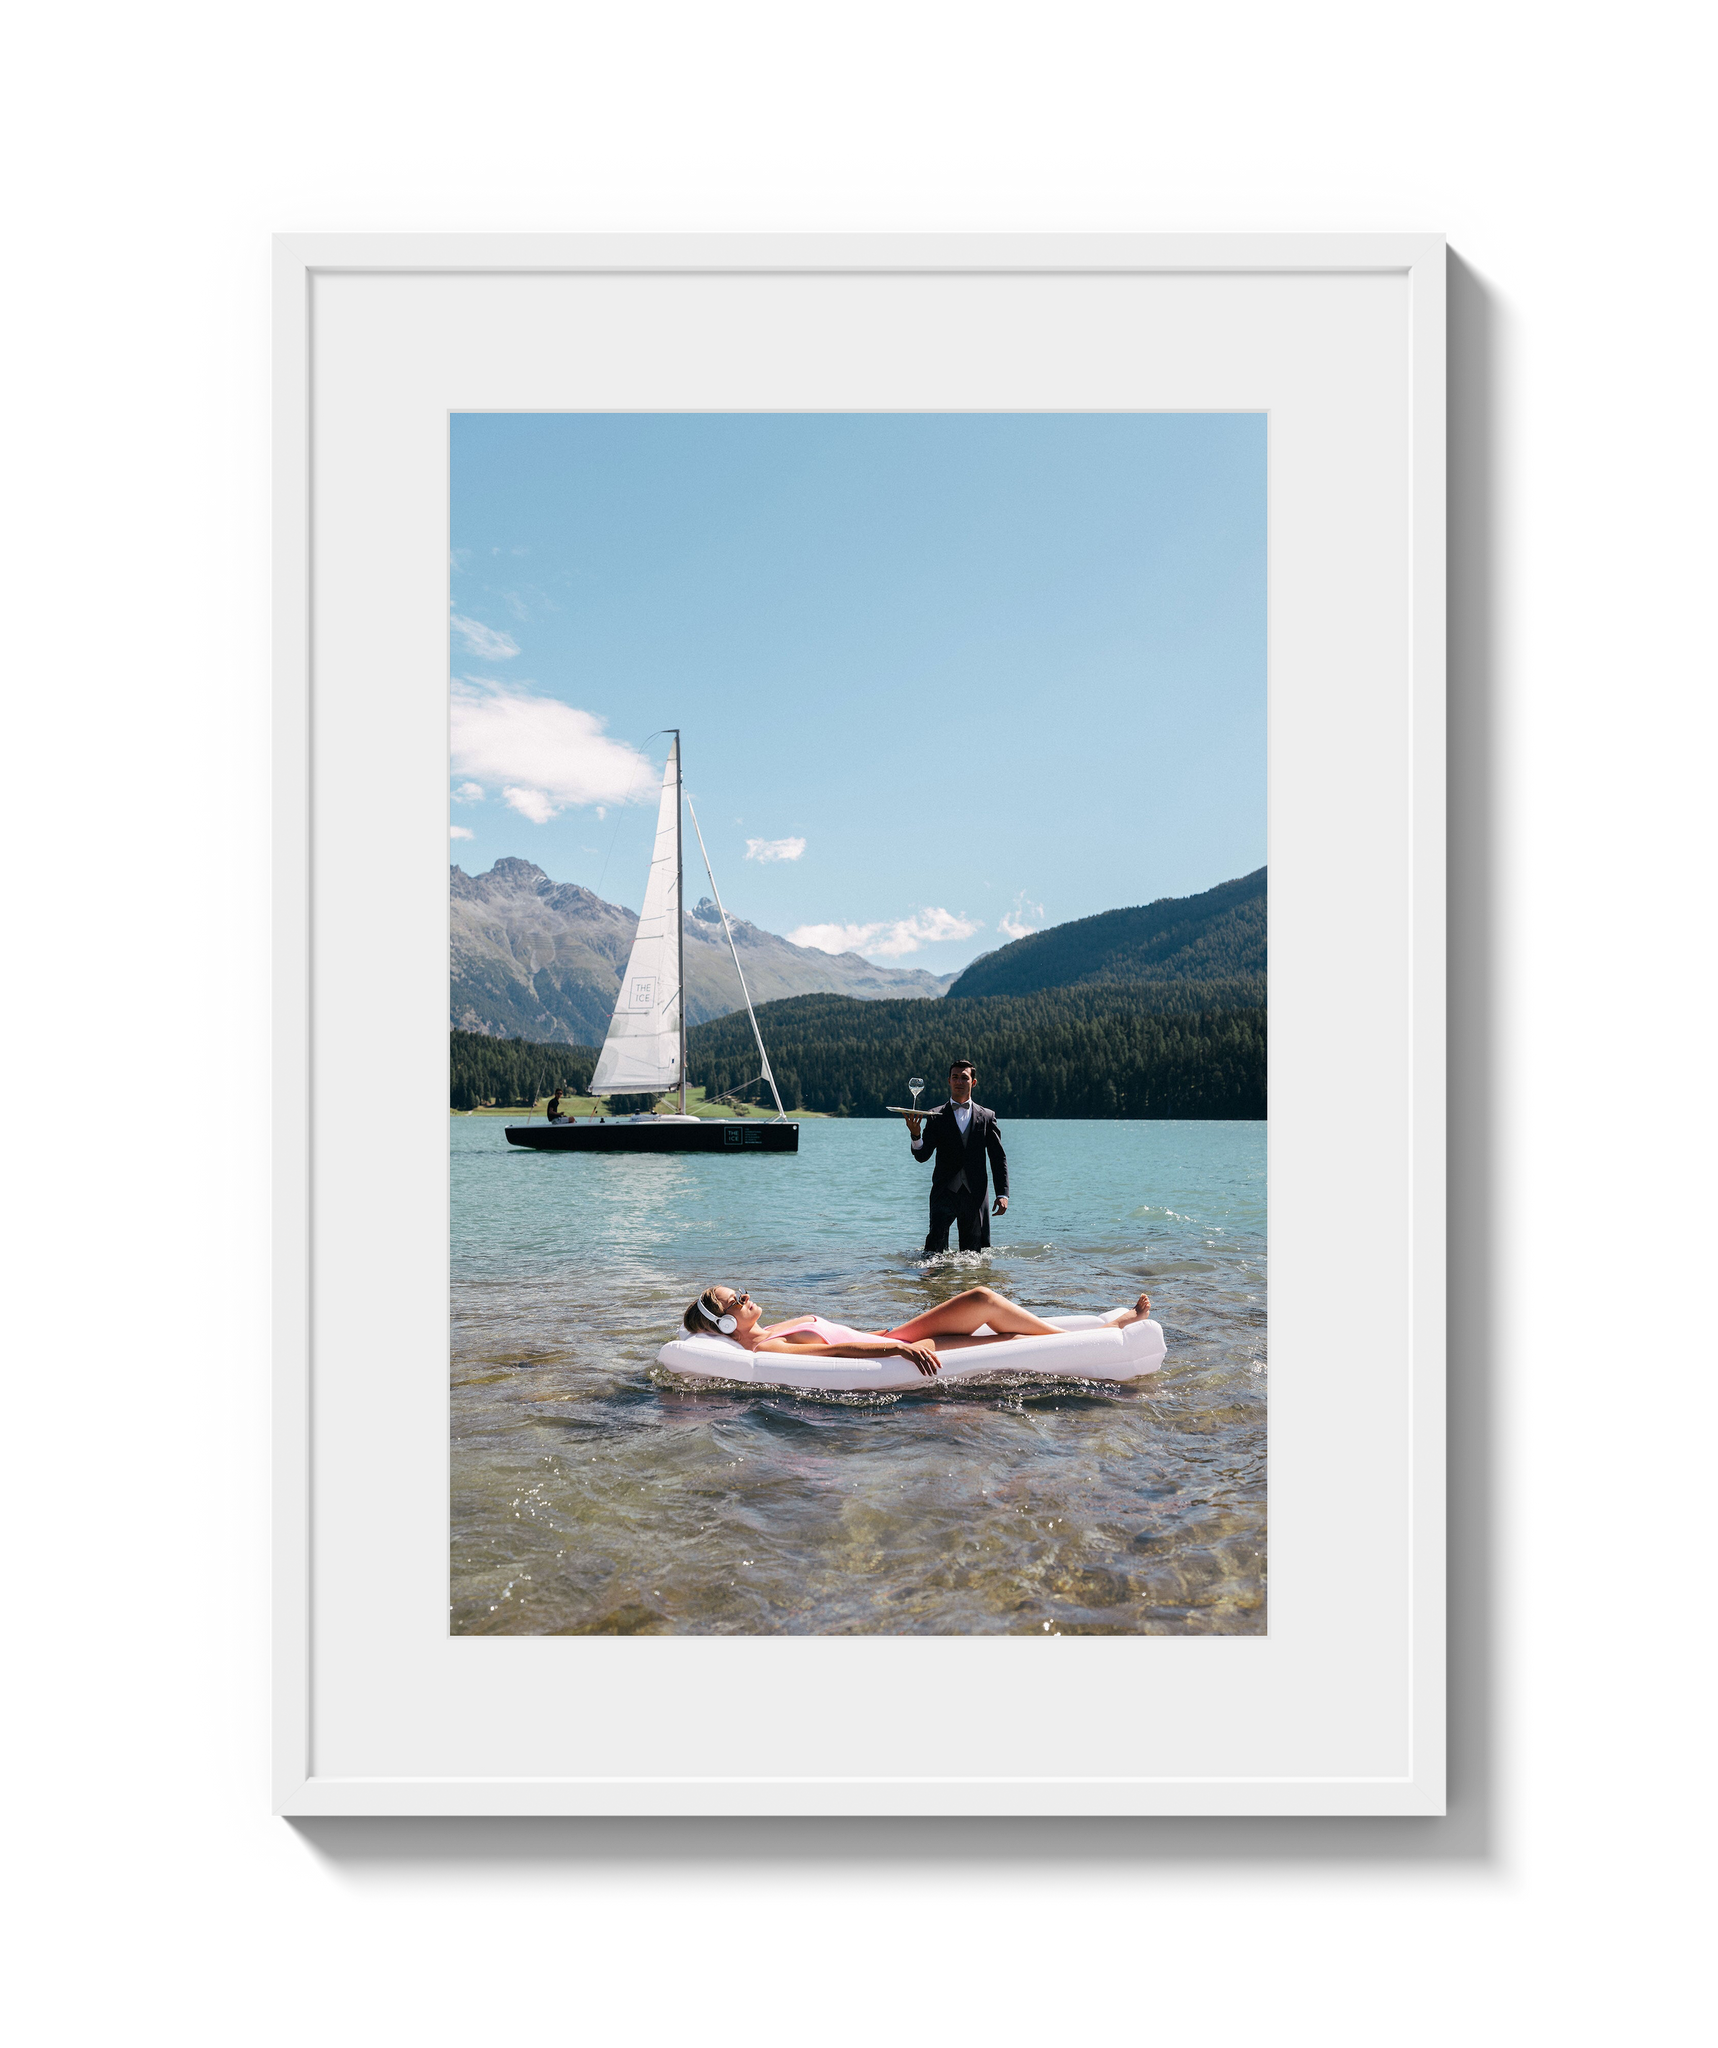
[587, 1107]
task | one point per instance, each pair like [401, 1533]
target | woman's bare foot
[1137, 1314]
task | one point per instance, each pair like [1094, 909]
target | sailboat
[645, 1050]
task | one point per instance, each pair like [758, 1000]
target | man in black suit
[960, 1136]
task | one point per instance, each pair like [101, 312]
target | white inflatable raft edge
[1084, 1348]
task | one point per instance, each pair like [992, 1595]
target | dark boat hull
[732, 1139]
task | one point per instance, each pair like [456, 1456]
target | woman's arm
[924, 1356]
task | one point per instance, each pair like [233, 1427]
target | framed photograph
[804, 767]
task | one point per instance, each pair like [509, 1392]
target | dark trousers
[972, 1218]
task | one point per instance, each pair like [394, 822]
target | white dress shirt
[962, 1117]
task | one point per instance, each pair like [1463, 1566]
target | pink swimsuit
[827, 1332]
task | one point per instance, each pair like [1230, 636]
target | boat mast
[680, 910]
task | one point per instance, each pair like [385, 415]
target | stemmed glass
[916, 1086]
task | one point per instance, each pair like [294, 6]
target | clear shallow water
[593, 1492]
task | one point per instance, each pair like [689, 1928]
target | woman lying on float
[950, 1326]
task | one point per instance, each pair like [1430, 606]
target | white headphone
[725, 1324]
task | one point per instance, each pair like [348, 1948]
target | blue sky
[941, 678]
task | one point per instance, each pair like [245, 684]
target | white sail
[641, 1054]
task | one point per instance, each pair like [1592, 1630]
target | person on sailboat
[555, 1116]
[960, 1135]
[950, 1326]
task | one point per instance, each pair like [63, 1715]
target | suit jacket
[940, 1139]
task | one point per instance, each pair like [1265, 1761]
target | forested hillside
[511, 1071]
[1090, 1052]
[1095, 1052]
[1214, 943]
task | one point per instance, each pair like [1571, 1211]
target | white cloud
[1013, 923]
[774, 849]
[535, 804]
[469, 793]
[832, 938]
[889, 938]
[546, 756]
[459, 832]
[483, 641]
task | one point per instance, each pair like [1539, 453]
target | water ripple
[594, 1492]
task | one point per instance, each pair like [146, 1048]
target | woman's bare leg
[961, 1316]
[954, 1321]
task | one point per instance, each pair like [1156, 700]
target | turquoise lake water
[593, 1492]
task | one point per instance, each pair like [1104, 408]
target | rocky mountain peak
[509, 872]
[543, 959]
[574, 898]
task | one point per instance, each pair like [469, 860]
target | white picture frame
[1339, 1709]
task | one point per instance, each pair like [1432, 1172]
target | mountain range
[542, 960]
[1214, 942]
